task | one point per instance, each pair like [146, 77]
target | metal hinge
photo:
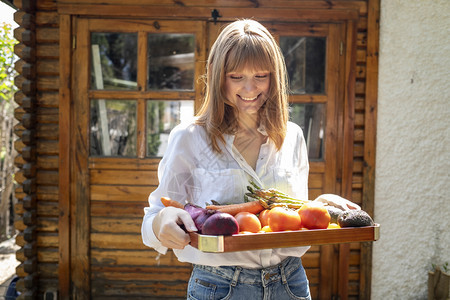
[341, 48]
[74, 42]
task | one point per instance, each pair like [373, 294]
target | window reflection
[171, 61]
[305, 63]
[311, 118]
[114, 61]
[162, 117]
[113, 128]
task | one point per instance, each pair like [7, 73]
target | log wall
[38, 209]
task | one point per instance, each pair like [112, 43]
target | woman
[241, 133]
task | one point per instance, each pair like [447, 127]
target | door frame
[74, 262]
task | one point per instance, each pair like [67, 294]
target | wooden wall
[38, 193]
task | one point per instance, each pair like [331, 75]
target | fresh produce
[248, 222]
[282, 218]
[194, 210]
[166, 201]
[314, 215]
[355, 218]
[334, 213]
[270, 198]
[220, 223]
[333, 226]
[226, 223]
[253, 207]
[264, 217]
[199, 215]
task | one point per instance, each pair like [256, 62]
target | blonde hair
[244, 43]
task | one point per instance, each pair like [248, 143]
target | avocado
[334, 213]
[355, 218]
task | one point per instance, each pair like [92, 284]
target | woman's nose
[249, 85]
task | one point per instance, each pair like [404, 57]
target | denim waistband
[263, 276]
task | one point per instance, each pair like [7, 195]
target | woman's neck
[247, 124]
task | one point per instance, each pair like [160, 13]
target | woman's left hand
[337, 201]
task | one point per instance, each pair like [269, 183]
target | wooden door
[133, 81]
[315, 61]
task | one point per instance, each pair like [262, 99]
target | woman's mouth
[248, 98]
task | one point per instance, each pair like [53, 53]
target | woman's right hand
[166, 227]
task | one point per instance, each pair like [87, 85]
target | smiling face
[247, 89]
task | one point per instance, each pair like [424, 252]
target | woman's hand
[167, 227]
[337, 201]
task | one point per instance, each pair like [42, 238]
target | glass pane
[114, 61]
[305, 62]
[311, 118]
[113, 128]
[171, 61]
[162, 117]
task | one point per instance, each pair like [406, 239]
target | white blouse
[191, 171]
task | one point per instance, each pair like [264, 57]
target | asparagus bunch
[270, 198]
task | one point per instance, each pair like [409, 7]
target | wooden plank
[48, 192]
[47, 18]
[116, 225]
[140, 258]
[47, 51]
[315, 181]
[48, 83]
[252, 241]
[47, 177]
[125, 209]
[150, 95]
[204, 13]
[117, 290]
[359, 118]
[123, 177]
[142, 85]
[48, 240]
[121, 193]
[47, 35]
[48, 99]
[48, 255]
[47, 67]
[47, 162]
[48, 209]
[45, 5]
[349, 110]
[360, 6]
[79, 175]
[370, 138]
[117, 241]
[348, 141]
[124, 163]
[47, 131]
[132, 273]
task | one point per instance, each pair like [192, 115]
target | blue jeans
[286, 280]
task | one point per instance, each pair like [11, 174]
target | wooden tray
[253, 241]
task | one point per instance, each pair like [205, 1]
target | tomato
[248, 222]
[266, 229]
[314, 215]
[281, 219]
[264, 217]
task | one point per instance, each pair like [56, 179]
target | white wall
[412, 186]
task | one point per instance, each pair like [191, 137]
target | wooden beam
[370, 124]
[79, 181]
[204, 13]
[64, 157]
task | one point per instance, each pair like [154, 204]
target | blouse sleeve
[175, 181]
